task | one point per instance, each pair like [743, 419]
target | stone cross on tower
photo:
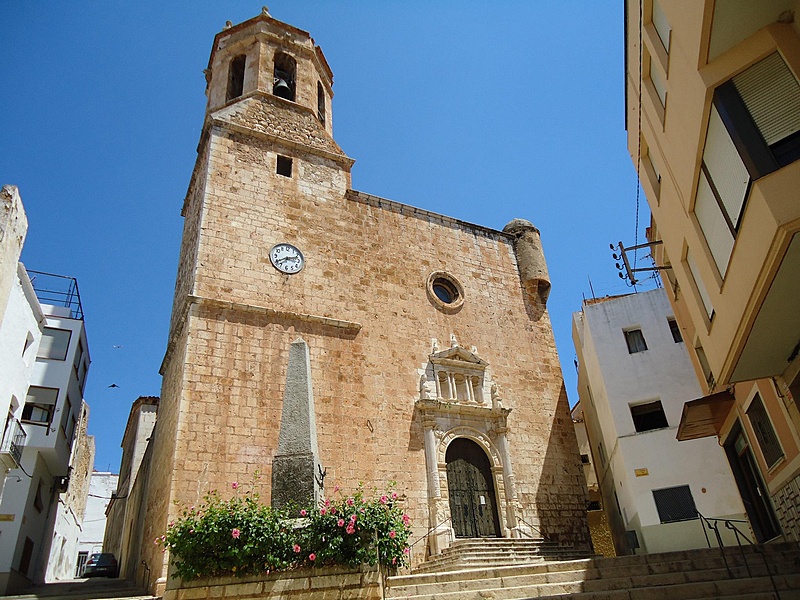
[296, 472]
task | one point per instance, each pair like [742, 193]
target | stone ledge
[328, 583]
[349, 326]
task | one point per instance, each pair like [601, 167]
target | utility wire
[638, 145]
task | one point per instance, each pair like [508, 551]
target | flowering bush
[241, 536]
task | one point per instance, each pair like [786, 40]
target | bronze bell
[282, 89]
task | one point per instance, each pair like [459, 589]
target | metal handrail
[713, 525]
[729, 524]
[425, 537]
[539, 531]
[13, 440]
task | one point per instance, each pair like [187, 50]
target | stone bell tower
[265, 56]
[266, 157]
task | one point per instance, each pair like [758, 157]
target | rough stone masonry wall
[366, 263]
[13, 228]
[304, 584]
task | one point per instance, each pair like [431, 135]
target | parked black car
[103, 564]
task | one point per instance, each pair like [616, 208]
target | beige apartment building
[713, 121]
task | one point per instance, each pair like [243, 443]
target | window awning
[705, 416]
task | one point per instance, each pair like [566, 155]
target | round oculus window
[445, 291]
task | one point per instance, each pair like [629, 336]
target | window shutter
[728, 172]
[661, 24]
[771, 93]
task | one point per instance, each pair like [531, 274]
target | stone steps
[84, 589]
[464, 554]
[751, 573]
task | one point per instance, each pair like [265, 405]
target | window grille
[765, 434]
[635, 341]
[675, 504]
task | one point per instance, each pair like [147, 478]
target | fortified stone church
[321, 330]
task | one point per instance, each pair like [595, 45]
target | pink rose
[312, 556]
[322, 511]
[340, 522]
[335, 489]
[235, 485]
[394, 495]
[296, 549]
[235, 533]
[406, 519]
[392, 534]
[303, 513]
[384, 499]
[350, 529]
[349, 502]
[406, 550]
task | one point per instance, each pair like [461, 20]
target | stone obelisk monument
[296, 471]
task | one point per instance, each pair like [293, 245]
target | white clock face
[286, 258]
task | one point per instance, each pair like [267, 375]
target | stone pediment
[458, 356]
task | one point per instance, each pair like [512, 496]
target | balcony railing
[57, 290]
[13, 441]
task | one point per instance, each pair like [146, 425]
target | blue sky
[481, 111]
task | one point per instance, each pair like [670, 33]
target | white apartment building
[20, 335]
[634, 376]
[21, 323]
[102, 485]
[51, 411]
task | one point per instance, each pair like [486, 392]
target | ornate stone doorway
[470, 484]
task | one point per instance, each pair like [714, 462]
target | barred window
[675, 504]
[765, 434]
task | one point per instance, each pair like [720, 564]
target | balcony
[57, 290]
[12, 445]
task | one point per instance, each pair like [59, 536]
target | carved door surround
[459, 400]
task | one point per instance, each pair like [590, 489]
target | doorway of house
[471, 487]
[755, 495]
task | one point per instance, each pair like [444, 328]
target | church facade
[430, 351]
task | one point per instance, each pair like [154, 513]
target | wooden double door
[473, 504]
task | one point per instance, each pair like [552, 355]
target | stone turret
[531, 263]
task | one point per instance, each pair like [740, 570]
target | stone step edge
[589, 577]
[678, 591]
[583, 564]
[504, 557]
[498, 571]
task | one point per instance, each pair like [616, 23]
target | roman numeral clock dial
[286, 258]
